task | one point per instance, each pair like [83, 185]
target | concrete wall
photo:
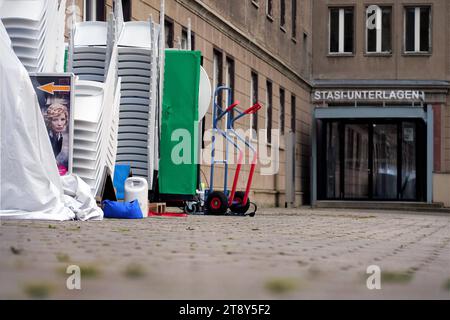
[441, 190]
[394, 66]
[446, 138]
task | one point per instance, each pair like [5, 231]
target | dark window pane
[184, 45]
[293, 114]
[294, 18]
[283, 13]
[410, 25]
[230, 80]
[282, 110]
[269, 8]
[217, 74]
[386, 30]
[168, 30]
[371, 32]
[269, 111]
[348, 30]
[372, 40]
[126, 7]
[334, 30]
[101, 12]
[184, 40]
[254, 100]
[425, 29]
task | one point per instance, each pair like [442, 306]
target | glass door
[408, 187]
[356, 161]
[372, 160]
[333, 163]
[385, 161]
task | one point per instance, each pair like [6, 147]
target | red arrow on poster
[51, 88]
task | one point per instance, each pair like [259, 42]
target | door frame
[425, 114]
[398, 123]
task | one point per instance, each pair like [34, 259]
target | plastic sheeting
[30, 186]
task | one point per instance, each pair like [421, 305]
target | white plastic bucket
[136, 188]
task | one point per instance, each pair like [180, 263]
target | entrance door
[385, 161]
[372, 160]
[409, 185]
[356, 161]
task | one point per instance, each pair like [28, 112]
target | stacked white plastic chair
[96, 126]
[97, 103]
[90, 50]
[36, 31]
[138, 69]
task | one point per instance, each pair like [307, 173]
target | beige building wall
[242, 30]
[394, 66]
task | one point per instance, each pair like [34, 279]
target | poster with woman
[55, 95]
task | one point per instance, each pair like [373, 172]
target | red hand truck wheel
[216, 203]
[238, 206]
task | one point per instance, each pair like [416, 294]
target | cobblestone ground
[279, 254]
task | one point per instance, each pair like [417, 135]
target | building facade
[381, 75]
[262, 49]
[364, 86]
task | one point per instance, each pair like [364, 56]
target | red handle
[253, 109]
[234, 105]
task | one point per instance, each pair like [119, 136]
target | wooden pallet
[157, 207]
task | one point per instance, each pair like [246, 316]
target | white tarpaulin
[30, 186]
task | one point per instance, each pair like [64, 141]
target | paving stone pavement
[278, 254]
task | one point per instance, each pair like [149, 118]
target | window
[378, 29]
[94, 10]
[269, 9]
[282, 14]
[282, 110]
[341, 30]
[184, 40]
[305, 57]
[168, 31]
[294, 18]
[126, 8]
[269, 111]
[254, 99]
[293, 113]
[229, 79]
[217, 73]
[417, 29]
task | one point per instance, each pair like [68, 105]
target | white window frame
[417, 29]
[341, 49]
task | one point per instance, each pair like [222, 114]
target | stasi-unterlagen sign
[368, 95]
